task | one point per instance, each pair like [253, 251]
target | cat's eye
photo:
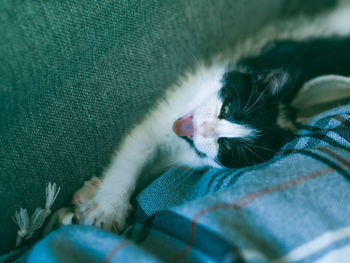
[225, 110]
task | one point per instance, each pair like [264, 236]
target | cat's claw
[86, 192]
[105, 215]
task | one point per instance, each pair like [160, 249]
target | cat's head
[239, 125]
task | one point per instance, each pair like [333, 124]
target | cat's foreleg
[110, 206]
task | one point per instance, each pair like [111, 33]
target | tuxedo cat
[223, 115]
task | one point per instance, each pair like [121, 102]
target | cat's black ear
[274, 83]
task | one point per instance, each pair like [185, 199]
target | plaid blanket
[294, 208]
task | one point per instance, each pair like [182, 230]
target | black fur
[250, 104]
[255, 94]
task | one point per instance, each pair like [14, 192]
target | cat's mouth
[184, 126]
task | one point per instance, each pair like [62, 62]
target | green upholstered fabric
[76, 75]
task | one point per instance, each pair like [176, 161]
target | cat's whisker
[253, 152]
[261, 147]
[242, 146]
[249, 139]
[255, 109]
[256, 101]
[247, 104]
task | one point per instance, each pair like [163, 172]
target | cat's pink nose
[206, 129]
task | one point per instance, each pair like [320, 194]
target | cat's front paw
[105, 214]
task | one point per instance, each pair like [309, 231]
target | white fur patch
[226, 129]
[208, 128]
